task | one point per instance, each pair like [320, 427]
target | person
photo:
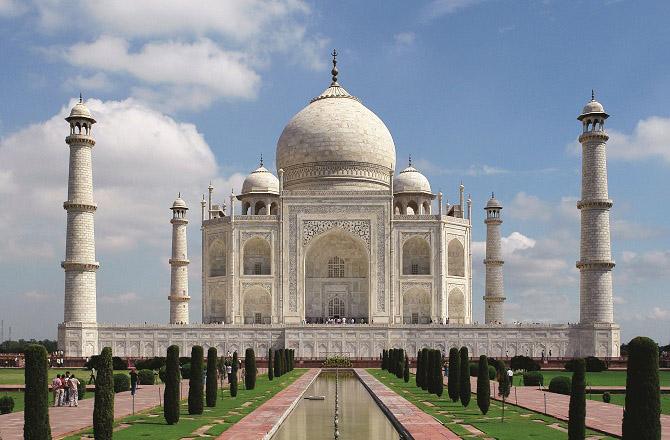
[133, 381]
[229, 372]
[74, 391]
[510, 374]
[91, 379]
[66, 389]
[56, 388]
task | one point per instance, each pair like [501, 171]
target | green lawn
[17, 376]
[604, 378]
[620, 399]
[519, 422]
[150, 425]
[19, 398]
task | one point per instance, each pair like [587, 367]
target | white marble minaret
[80, 265]
[179, 265]
[595, 263]
[494, 296]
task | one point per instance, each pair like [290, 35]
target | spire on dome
[81, 99]
[261, 159]
[410, 160]
[334, 72]
[593, 95]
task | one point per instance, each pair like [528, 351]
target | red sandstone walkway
[600, 416]
[264, 419]
[66, 420]
[420, 425]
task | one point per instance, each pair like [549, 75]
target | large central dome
[336, 143]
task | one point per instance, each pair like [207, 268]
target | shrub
[155, 363]
[81, 390]
[271, 374]
[384, 359]
[121, 382]
[119, 363]
[36, 414]
[146, 377]
[577, 411]
[103, 407]
[430, 372]
[464, 379]
[524, 363]
[92, 362]
[6, 404]
[337, 362]
[419, 368]
[483, 385]
[560, 385]
[425, 370]
[607, 397]
[186, 371]
[503, 380]
[439, 375]
[400, 364]
[172, 379]
[211, 386]
[405, 375]
[533, 378]
[233, 379]
[277, 361]
[492, 372]
[162, 374]
[195, 385]
[642, 412]
[454, 367]
[250, 368]
[474, 369]
[595, 365]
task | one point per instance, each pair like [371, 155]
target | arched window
[217, 259]
[257, 257]
[259, 209]
[412, 208]
[273, 208]
[426, 208]
[416, 257]
[398, 208]
[456, 260]
[245, 208]
[336, 267]
[335, 308]
[456, 305]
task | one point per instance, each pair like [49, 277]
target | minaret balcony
[593, 135]
[76, 265]
[80, 206]
[596, 265]
[595, 204]
[178, 262]
[179, 298]
[493, 261]
[79, 139]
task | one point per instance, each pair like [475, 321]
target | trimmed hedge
[103, 408]
[592, 365]
[186, 371]
[195, 385]
[233, 378]
[439, 374]
[607, 397]
[464, 379]
[454, 374]
[425, 371]
[405, 375]
[211, 387]
[642, 412]
[36, 413]
[560, 385]
[577, 411]
[146, 377]
[271, 372]
[524, 363]
[533, 378]
[172, 379]
[419, 369]
[250, 368]
[155, 363]
[6, 404]
[121, 382]
[483, 385]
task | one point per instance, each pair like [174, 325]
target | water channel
[359, 416]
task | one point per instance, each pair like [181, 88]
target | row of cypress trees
[282, 362]
[429, 371]
[395, 361]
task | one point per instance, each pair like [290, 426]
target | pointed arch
[416, 306]
[217, 258]
[456, 259]
[416, 257]
[456, 305]
[257, 258]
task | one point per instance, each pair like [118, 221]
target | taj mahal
[341, 251]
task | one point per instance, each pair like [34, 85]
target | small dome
[493, 203]
[410, 180]
[80, 111]
[261, 181]
[179, 203]
[593, 107]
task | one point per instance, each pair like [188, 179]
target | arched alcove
[416, 257]
[412, 208]
[257, 257]
[456, 259]
[257, 306]
[217, 259]
[416, 306]
[260, 208]
[456, 304]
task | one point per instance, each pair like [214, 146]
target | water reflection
[360, 417]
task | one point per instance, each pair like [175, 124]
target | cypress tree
[503, 379]
[384, 357]
[286, 360]
[577, 412]
[400, 367]
[439, 376]
[211, 385]
[249, 369]
[195, 381]
[430, 372]
[36, 412]
[103, 406]
[454, 376]
[483, 385]
[642, 413]
[391, 360]
[425, 368]
[419, 361]
[277, 371]
[405, 375]
[171, 393]
[292, 358]
[233, 380]
[270, 365]
[464, 379]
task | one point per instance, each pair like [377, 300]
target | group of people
[65, 389]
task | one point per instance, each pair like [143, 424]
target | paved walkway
[267, 417]
[66, 420]
[600, 416]
[420, 425]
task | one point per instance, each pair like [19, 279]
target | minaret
[80, 265]
[179, 265]
[595, 263]
[494, 296]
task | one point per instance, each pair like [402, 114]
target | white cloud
[637, 267]
[659, 313]
[516, 241]
[97, 82]
[404, 39]
[529, 207]
[142, 158]
[438, 8]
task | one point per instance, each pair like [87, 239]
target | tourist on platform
[56, 387]
[66, 389]
[229, 372]
[91, 379]
[74, 391]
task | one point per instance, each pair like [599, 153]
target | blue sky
[486, 92]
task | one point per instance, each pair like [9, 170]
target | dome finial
[593, 95]
[493, 195]
[81, 99]
[261, 159]
[410, 160]
[334, 72]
